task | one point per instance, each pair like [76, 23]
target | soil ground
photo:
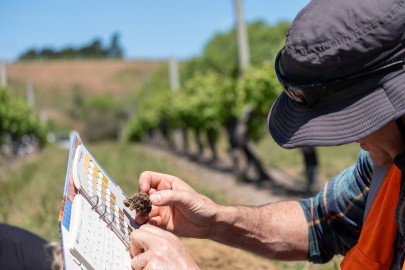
[211, 255]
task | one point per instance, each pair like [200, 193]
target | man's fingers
[153, 230]
[148, 180]
[162, 250]
[153, 213]
[141, 219]
[140, 261]
[155, 220]
[159, 181]
[135, 247]
[143, 239]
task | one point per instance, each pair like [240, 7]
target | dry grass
[95, 76]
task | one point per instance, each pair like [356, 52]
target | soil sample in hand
[140, 202]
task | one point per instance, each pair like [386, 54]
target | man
[342, 67]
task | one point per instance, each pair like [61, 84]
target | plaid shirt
[335, 215]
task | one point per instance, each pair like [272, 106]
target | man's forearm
[277, 230]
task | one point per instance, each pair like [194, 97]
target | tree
[94, 49]
[115, 50]
[220, 53]
[30, 54]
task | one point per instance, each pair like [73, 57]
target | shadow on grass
[275, 180]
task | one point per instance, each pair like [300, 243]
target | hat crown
[332, 39]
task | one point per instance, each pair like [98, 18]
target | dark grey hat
[342, 68]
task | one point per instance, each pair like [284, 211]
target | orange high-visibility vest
[375, 247]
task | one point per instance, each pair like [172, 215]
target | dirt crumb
[140, 202]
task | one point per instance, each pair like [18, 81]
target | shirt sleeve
[335, 214]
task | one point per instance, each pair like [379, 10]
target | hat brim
[292, 125]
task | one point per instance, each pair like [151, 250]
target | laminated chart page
[94, 223]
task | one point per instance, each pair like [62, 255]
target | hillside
[94, 76]
[56, 83]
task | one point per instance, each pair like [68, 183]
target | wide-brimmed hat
[343, 73]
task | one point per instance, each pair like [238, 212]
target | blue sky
[148, 29]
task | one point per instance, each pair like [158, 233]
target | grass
[30, 197]
[332, 160]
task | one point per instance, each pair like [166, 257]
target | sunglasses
[309, 94]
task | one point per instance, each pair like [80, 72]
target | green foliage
[103, 117]
[213, 90]
[18, 119]
[149, 114]
[257, 89]
[152, 86]
[203, 104]
[99, 103]
[78, 103]
[192, 67]
[208, 99]
[159, 81]
[220, 53]
[265, 41]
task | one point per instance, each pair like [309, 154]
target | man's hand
[177, 207]
[156, 249]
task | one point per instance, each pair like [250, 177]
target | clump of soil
[140, 202]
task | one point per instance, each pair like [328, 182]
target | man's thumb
[169, 197]
[156, 198]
